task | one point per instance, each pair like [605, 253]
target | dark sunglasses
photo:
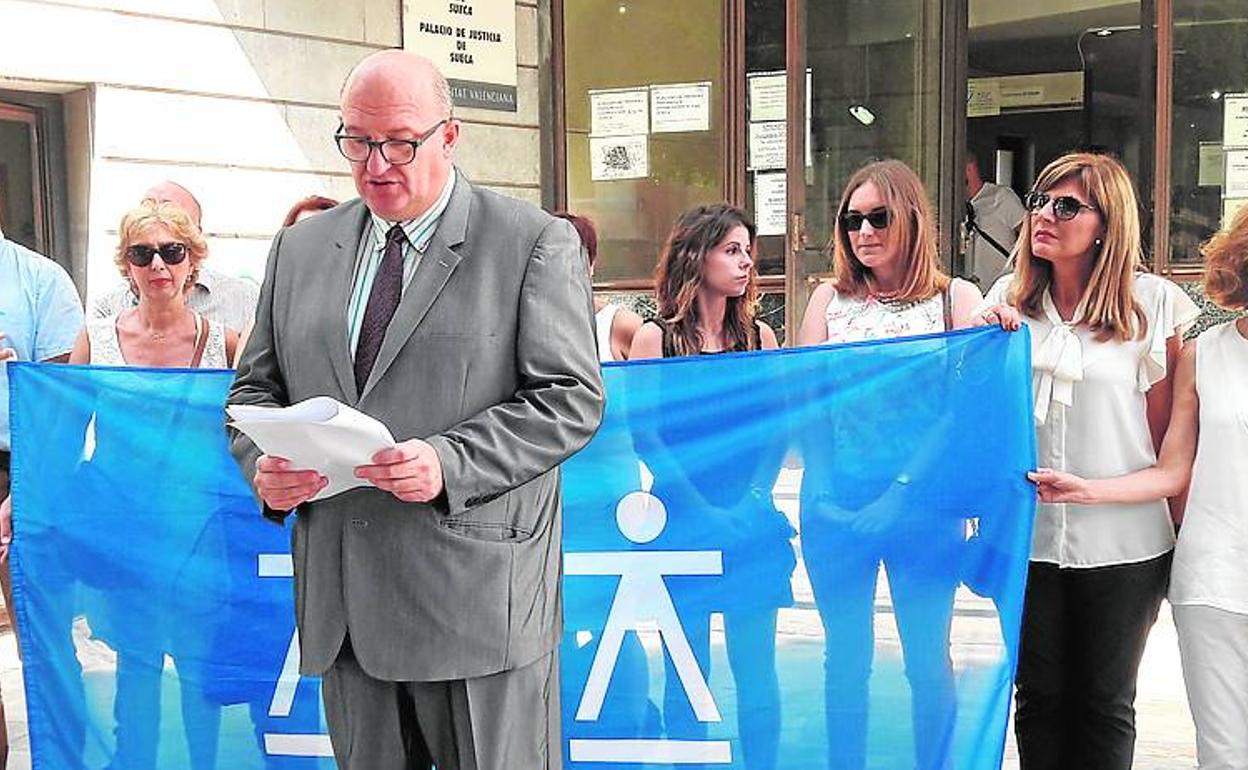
[140, 255]
[879, 219]
[1065, 207]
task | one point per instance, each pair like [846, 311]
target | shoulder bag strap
[201, 340]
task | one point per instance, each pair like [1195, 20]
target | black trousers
[1083, 636]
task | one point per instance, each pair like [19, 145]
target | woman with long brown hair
[1205, 445]
[707, 301]
[1105, 344]
[887, 283]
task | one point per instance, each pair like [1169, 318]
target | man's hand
[411, 471]
[283, 487]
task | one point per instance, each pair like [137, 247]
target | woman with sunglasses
[887, 283]
[707, 300]
[1105, 342]
[1205, 444]
[159, 254]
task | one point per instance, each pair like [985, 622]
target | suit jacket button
[361, 523]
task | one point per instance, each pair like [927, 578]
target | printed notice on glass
[767, 95]
[767, 145]
[622, 112]
[983, 97]
[618, 157]
[1210, 169]
[770, 203]
[1235, 183]
[1235, 120]
[1231, 207]
[680, 108]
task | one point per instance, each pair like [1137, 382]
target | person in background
[40, 315]
[993, 216]
[887, 284]
[1206, 444]
[224, 299]
[615, 325]
[306, 207]
[1105, 341]
[707, 294]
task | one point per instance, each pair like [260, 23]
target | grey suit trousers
[504, 721]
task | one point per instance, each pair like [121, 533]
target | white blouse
[855, 319]
[1091, 419]
[1211, 560]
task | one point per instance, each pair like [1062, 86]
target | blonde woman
[887, 284]
[159, 253]
[1206, 444]
[1105, 342]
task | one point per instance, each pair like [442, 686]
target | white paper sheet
[320, 434]
[618, 157]
[681, 107]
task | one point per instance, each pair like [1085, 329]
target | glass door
[862, 83]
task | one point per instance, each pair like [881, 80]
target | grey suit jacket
[490, 357]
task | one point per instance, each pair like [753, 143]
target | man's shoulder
[218, 282]
[32, 267]
[490, 204]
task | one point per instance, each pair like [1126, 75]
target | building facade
[628, 111]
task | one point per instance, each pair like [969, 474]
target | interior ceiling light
[1215, 95]
[1104, 32]
[862, 114]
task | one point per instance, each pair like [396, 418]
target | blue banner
[803, 559]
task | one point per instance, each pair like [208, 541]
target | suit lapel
[346, 247]
[432, 273]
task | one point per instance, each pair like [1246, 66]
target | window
[1209, 135]
[644, 94]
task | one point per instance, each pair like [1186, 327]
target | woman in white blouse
[1105, 340]
[1209, 579]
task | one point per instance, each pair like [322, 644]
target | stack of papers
[320, 434]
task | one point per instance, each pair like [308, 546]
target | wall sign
[473, 42]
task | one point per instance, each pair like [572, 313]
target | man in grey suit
[429, 600]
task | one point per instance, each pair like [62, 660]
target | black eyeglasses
[879, 219]
[1065, 207]
[141, 255]
[396, 152]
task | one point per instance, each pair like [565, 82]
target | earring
[1097, 244]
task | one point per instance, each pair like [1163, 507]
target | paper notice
[619, 157]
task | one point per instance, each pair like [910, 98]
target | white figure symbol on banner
[641, 599]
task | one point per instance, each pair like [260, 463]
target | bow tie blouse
[1091, 420]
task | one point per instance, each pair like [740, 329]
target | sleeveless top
[669, 341]
[1211, 559]
[106, 347]
[855, 319]
[603, 320]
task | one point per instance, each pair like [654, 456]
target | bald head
[174, 193]
[402, 75]
[396, 110]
